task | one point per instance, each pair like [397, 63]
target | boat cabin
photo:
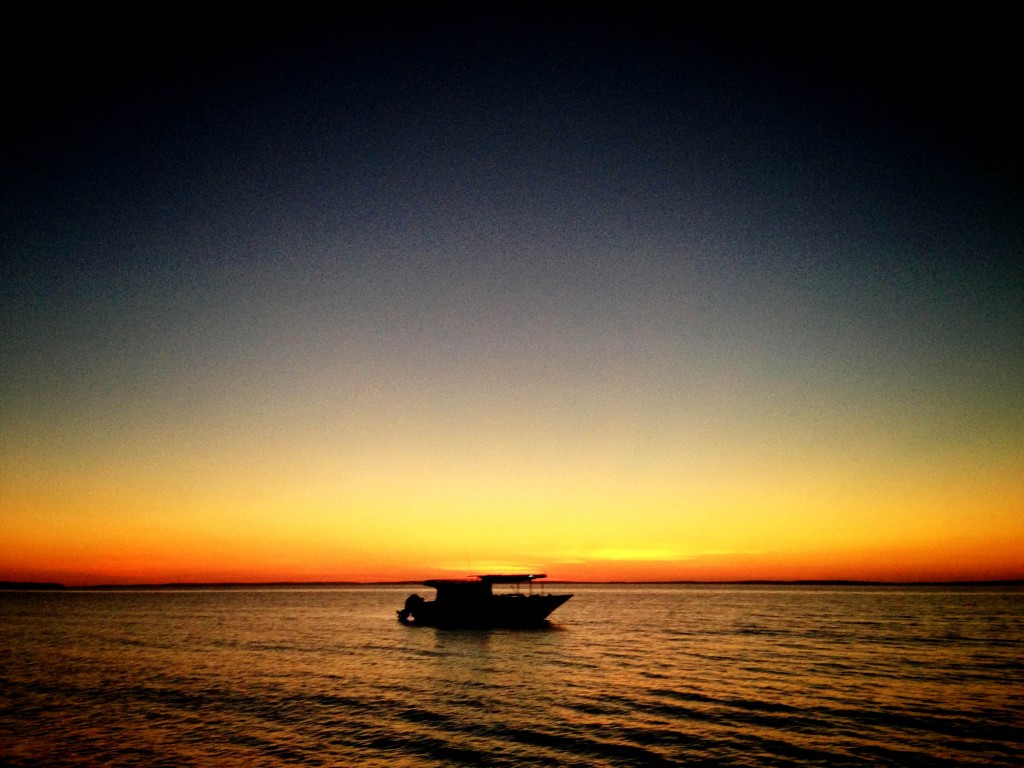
[480, 588]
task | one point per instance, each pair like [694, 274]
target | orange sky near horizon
[131, 519]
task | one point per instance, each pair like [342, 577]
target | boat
[473, 603]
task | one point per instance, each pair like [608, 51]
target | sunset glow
[379, 317]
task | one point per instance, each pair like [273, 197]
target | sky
[381, 298]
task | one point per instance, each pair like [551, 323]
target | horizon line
[55, 586]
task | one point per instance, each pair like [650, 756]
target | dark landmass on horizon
[51, 586]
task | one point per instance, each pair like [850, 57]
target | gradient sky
[387, 298]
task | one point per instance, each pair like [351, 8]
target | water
[680, 675]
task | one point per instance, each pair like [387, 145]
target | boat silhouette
[473, 603]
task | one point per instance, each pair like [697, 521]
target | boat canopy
[492, 578]
[511, 578]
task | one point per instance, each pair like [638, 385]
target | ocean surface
[625, 676]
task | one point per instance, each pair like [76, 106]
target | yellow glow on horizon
[260, 516]
[635, 555]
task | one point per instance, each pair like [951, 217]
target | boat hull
[494, 611]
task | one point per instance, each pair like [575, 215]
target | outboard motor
[412, 602]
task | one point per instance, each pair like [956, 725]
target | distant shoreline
[35, 586]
